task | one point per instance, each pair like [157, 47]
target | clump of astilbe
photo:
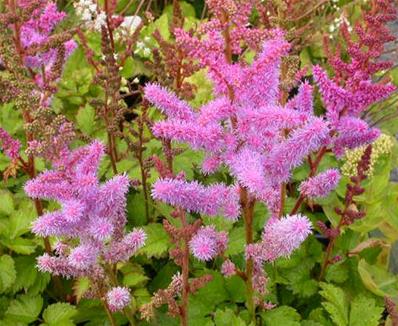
[360, 70]
[32, 56]
[90, 226]
[245, 128]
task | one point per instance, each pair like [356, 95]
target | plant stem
[314, 167]
[329, 250]
[109, 313]
[248, 209]
[185, 274]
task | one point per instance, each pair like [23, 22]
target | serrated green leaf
[20, 220]
[59, 314]
[236, 288]
[157, 243]
[377, 279]
[336, 303]
[134, 278]
[337, 273]
[7, 272]
[236, 242]
[283, 315]
[26, 272]
[364, 311]
[20, 245]
[227, 317]
[25, 309]
[6, 202]
[80, 287]
[85, 119]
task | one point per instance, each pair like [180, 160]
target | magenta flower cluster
[207, 243]
[9, 145]
[36, 32]
[92, 213]
[244, 133]
[118, 298]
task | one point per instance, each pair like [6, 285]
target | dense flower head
[228, 268]
[211, 200]
[93, 213]
[283, 236]
[207, 243]
[320, 185]
[9, 145]
[118, 298]
[242, 128]
[36, 32]
[280, 238]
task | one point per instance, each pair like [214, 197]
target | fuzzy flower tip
[320, 185]
[118, 298]
[9, 145]
[228, 268]
[207, 243]
[282, 237]
[194, 197]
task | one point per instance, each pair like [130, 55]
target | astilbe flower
[37, 32]
[118, 298]
[207, 243]
[251, 144]
[280, 238]
[92, 213]
[9, 145]
[320, 185]
[228, 268]
[212, 200]
[353, 88]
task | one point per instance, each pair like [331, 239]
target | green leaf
[134, 278]
[236, 242]
[365, 312]
[377, 280]
[7, 272]
[336, 303]
[337, 273]
[20, 245]
[25, 309]
[20, 220]
[26, 272]
[80, 287]
[128, 68]
[283, 315]
[59, 314]
[6, 202]
[157, 243]
[206, 298]
[86, 119]
[236, 288]
[227, 317]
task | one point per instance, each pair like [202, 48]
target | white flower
[147, 52]
[100, 21]
[86, 15]
[140, 45]
[131, 23]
